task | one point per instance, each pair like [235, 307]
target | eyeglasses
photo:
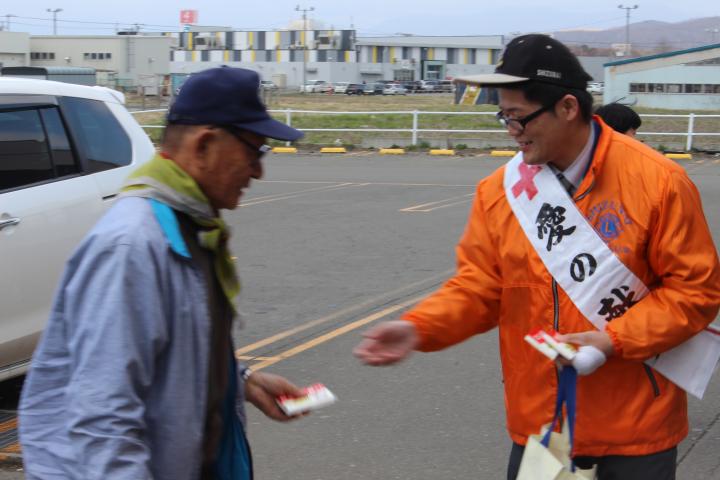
[237, 133]
[519, 123]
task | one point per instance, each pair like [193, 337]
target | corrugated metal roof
[662, 55]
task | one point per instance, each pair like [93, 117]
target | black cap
[227, 96]
[535, 57]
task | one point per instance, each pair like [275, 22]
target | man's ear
[201, 143]
[569, 107]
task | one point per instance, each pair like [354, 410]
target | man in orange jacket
[640, 211]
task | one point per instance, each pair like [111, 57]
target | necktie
[567, 185]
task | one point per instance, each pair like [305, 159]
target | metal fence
[414, 115]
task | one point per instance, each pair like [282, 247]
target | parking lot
[328, 245]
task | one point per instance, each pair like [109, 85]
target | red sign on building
[188, 17]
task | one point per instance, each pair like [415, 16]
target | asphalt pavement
[327, 245]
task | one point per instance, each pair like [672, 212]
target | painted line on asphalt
[448, 202]
[307, 190]
[288, 196]
[340, 313]
[392, 184]
[335, 333]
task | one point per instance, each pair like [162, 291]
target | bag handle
[566, 395]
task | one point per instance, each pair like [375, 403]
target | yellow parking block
[284, 150]
[392, 151]
[503, 153]
[679, 156]
[333, 150]
[441, 151]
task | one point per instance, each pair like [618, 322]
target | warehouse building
[681, 80]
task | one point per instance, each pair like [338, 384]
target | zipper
[653, 380]
[556, 307]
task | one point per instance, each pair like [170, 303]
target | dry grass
[434, 102]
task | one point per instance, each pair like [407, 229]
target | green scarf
[164, 181]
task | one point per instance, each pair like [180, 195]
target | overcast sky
[369, 17]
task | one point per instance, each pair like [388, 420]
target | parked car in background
[355, 89]
[373, 88]
[412, 86]
[428, 86]
[596, 87]
[65, 151]
[446, 86]
[268, 85]
[316, 86]
[394, 89]
[340, 87]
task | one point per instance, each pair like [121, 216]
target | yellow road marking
[335, 333]
[448, 202]
[250, 357]
[372, 301]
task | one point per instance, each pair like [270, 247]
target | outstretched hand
[262, 390]
[387, 343]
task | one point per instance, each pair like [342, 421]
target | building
[681, 80]
[76, 75]
[293, 56]
[121, 61]
[14, 49]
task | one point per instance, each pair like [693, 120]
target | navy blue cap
[227, 96]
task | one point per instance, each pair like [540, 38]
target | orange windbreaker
[649, 213]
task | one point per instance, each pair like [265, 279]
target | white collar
[576, 171]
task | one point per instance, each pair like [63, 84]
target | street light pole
[54, 11]
[304, 42]
[7, 20]
[627, 25]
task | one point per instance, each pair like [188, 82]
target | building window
[237, 55]
[405, 53]
[93, 56]
[108, 56]
[452, 55]
[205, 55]
[473, 56]
[52, 56]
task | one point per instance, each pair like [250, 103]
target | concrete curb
[392, 151]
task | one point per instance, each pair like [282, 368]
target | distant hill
[645, 37]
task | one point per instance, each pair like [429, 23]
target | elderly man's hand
[262, 389]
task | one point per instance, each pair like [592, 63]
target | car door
[46, 206]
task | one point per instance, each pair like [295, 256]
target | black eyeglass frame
[522, 122]
[236, 132]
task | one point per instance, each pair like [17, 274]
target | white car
[316, 86]
[340, 87]
[394, 89]
[64, 152]
[596, 87]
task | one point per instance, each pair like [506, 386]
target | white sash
[596, 281]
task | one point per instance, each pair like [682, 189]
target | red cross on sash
[526, 183]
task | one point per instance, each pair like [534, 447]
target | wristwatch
[246, 372]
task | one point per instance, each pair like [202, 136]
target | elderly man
[135, 376]
[594, 235]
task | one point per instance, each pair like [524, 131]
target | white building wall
[217, 55]
[271, 41]
[617, 86]
[440, 54]
[240, 41]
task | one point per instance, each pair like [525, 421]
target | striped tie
[567, 185]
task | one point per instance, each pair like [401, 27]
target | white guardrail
[414, 130]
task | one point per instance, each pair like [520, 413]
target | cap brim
[491, 79]
[273, 129]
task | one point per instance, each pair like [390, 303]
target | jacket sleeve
[118, 327]
[468, 303]
[686, 299]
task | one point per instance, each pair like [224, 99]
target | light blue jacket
[118, 384]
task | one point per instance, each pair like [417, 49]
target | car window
[99, 135]
[33, 147]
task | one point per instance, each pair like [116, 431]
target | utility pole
[7, 21]
[304, 42]
[627, 25]
[54, 11]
